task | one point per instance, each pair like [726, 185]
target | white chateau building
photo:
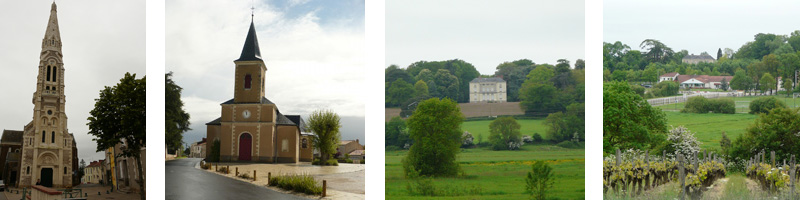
[487, 90]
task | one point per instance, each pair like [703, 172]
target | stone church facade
[251, 127]
[48, 150]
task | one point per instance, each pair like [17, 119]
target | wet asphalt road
[183, 181]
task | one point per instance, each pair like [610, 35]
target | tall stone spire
[52, 36]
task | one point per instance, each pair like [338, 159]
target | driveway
[184, 181]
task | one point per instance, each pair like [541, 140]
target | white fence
[680, 99]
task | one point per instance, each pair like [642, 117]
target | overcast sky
[314, 52]
[697, 26]
[101, 41]
[484, 33]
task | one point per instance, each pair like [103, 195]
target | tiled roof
[11, 137]
[704, 78]
[357, 153]
[485, 80]
[283, 120]
[671, 74]
[264, 100]
[215, 122]
[297, 119]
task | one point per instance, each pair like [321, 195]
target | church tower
[250, 71]
[47, 147]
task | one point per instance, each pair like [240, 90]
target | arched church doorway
[245, 146]
[46, 177]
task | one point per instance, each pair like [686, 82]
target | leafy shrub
[214, 157]
[206, 165]
[539, 180]
[223, 170]
[537, 138]
[700, 104]
[331, 162]
[681, 140]
[504, 134]
[638, 90]
[302, 183]
[765, 104]
[435, 128]
[245, 176]
[665, 88]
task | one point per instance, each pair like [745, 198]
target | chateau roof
[297, 119]
[485, 80]
[250, 51]
[700, 57]
[264, 100]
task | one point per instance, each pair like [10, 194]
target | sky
[697, 26]
[484, 33]
[101, 41]
[314, 52]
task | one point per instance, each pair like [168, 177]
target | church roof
[11, 137]
[297, 119]
[250, 51]
[264, 100]
[283, 120]
[215, 122]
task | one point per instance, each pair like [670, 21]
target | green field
[499, 174]
[708, 128]
[527, 127]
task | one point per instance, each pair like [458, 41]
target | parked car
[2, 186]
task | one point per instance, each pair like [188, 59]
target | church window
[305, 143]
[44, 135]
[28, 170]
[55, 74]
[48, 74]
[53, 137]
[65, 170]
[47, 88]
[247, 80]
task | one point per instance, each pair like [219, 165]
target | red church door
[245, 146]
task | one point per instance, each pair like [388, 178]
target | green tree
[539, 180]
[725, 142]
[724, 85]
[656, 51]
[628, 120]
[765, 105]
[396, 134]
[580, 64]
[504, 133]
[776, 131]
[447, 84]
[176, 119]
[562, 66]
[420, 88]
[119, 117]
[741, 81]
[539, 98]
[719, 53]
[435, 129]
[399, 92]
[215, 151]
[325, 125]
[787, 85]
[767, 83]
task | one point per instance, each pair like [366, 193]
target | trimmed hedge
[700, 104]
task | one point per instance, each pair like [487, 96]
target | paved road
[183, 181]
[3, 195]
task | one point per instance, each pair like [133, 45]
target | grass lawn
[527, 127]
[499, 174]
[708, 128]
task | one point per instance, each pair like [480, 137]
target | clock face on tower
[246, 114]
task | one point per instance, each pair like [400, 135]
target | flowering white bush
[514, 145]
[527, 139]
[683, 141]
[466, 139]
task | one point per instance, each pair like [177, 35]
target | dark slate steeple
[250, 51]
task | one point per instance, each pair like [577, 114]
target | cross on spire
[252, 10]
